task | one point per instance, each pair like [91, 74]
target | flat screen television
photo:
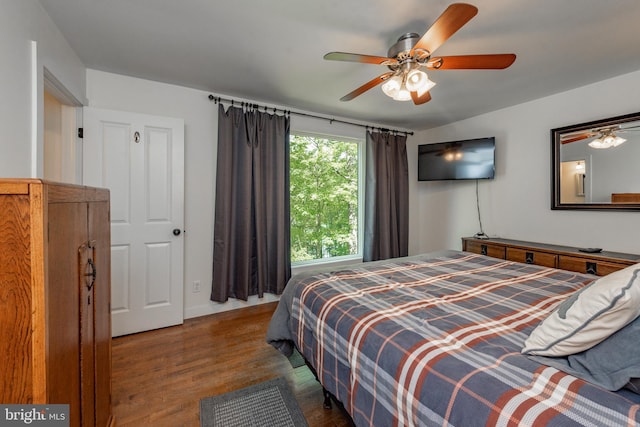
[465, 159]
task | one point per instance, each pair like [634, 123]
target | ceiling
[271, 52]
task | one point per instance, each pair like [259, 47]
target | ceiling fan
[605, 137]
[406, 81]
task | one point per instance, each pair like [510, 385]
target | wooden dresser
[563, 257]
[55, 320]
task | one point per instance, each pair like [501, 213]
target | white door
[140, 158]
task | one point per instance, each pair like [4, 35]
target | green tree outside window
[324, 198]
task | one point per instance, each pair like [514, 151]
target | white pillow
[588, 316]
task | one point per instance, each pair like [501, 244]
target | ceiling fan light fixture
[400, 86]
[618, 140]
[607, 140]
[392, 86]
[418, 81]
[396, 88]
[598, 143]
[403, 95]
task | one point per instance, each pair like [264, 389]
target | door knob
[176, 231]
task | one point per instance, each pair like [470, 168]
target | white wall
[117, 92]
[22, 22]
[517, 203]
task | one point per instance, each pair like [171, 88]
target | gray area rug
[267, 404]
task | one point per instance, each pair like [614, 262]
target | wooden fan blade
[578, 137]
[365, 87]
[451, 20]
[356, 57]
[472, 62]
[417, 100]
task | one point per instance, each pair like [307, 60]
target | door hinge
[80, 132]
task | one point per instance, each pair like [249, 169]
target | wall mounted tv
[465, 159]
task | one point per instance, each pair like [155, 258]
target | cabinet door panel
[16, 372]
[67, 232]
[99, 235]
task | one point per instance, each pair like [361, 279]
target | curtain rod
[219, 99]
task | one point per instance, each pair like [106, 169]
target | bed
[438, 339]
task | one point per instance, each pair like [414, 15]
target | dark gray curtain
[386, 211]
[251, 229]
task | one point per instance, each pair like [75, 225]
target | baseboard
[232, 304]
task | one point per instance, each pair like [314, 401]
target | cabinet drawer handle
[92, 274]
[528, 257]
[592, 267]
[483, 249]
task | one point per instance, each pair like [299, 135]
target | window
[325, 196]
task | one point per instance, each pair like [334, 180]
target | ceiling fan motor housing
[401, 51]
[402, 47]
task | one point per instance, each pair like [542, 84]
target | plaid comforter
[436, 341]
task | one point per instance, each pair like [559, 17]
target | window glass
[325, 208]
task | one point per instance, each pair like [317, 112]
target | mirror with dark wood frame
[594, 165]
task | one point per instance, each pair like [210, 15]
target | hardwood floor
[160, 376]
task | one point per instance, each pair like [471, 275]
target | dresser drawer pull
[483, 249]
[592, 267]
[528, 257]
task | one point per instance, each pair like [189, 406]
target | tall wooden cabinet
[55, 320]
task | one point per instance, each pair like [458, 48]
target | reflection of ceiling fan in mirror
[406, 81]
[452, 151]
[605, 137]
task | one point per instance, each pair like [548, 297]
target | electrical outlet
[196, 286]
